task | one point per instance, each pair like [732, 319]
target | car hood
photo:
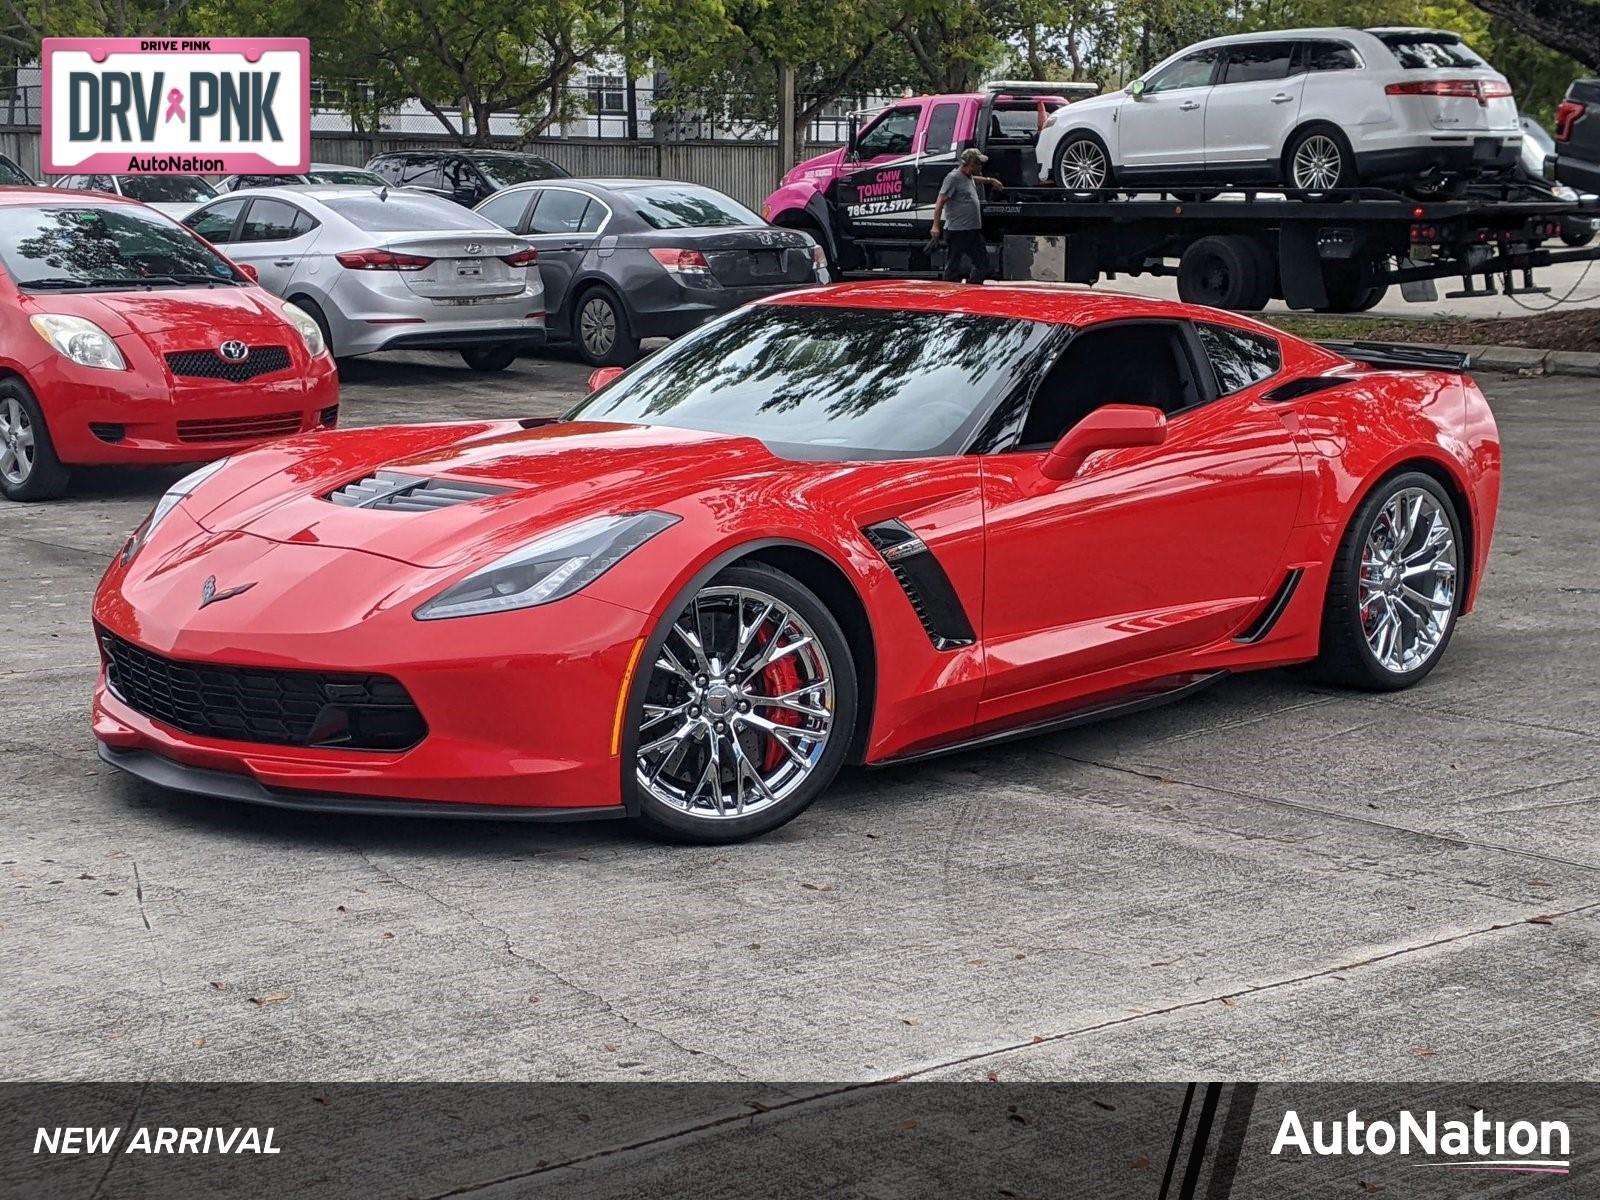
[548, 476]
[162, 315]
[820, 168]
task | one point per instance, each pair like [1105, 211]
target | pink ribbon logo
[175, 105]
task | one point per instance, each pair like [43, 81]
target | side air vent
[925, 584]
[410, 493]
[1307, 385]
[1268, 616]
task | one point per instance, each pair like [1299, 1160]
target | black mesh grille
[410, 493]
[208, 364]
[247, 704]
[239, 429]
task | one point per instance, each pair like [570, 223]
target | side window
[559, 211]
[890, 134]
[389, 168]
[941, 135]
[1329, 56]
[505, 209]
[459, 173]
[1239, 359]
[215, 222]
[1192, 70]
[1138, 363]
[1253, 62]
[593, 217]
[421, 172]
[101, 183]
[269, 221]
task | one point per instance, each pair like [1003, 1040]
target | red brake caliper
[779, 679]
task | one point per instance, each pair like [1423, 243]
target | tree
[1570, 27]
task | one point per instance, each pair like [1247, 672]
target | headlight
[81, 340]
[555, 566]
[310, 332]
[166, 504]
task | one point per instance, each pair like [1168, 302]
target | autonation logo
[1478, 1144]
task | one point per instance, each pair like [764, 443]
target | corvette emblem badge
[210, 595]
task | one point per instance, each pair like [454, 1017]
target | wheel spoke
[1406, 593]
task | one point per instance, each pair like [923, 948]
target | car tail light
[1568, 114]
[819, 258]
[1481, 90]
[683, 261]
[382, 260]
[522, 258]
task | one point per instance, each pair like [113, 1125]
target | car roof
[1053, 303]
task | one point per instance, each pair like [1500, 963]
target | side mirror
[249, 272]
[1136, 89]
[603, 376]
[1110, 427]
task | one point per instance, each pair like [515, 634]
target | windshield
[504, 170]
[683, 206]
[830, 383]
[68, 247]
[1424, 51]
[403, 212]
[167, 189]
[338, 175]
[11, 173]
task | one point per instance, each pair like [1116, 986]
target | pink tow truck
[870, 202]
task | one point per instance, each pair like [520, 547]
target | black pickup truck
[1577, 136]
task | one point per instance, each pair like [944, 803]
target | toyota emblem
[234, 351]
[473, 248]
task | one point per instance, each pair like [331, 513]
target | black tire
[661, 819]
[1346, 658]
[1348, 287]
[623, 347]
[1062, 151]
[490, 358]
[1576, 233]
[1343, 169]
[1197, 197]
[45, 476]
[1226, 271]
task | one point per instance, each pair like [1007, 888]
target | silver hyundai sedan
[381, 269]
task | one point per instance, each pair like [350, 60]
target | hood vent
[411, 493]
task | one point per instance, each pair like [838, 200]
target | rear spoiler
[1395, 354]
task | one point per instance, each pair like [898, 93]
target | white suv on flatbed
[1305, 109]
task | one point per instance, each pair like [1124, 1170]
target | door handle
[283, 262]
[1282, 98]
[1189, 106]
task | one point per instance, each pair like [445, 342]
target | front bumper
[225, 785]
[520, 707]
[144, 417]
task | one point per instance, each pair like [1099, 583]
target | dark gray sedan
[625, 259]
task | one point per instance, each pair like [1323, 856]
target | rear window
[82, 247]
[351, 175]
[1015, 124]
[167, 189]
[10, 173]
[403, 212]
[505, 170]
[681, 207]
[1429, 51]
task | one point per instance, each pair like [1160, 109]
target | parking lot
[1271, 881]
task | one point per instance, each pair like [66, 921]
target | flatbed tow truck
[1335, 251]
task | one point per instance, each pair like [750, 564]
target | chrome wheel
[16, 443]
[1083, 166]
[1407, 590]
[1318, 163]
[738, 708]
[597, 326]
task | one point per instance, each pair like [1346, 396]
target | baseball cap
[973, 154]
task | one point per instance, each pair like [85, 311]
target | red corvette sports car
[862, 523]
[126, 339]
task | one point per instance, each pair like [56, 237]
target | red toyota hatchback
[126, 339]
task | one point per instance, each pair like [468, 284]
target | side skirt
[1149, 695]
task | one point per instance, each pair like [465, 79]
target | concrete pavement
[1271, 880]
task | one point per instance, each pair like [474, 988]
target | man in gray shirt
[959, 212]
